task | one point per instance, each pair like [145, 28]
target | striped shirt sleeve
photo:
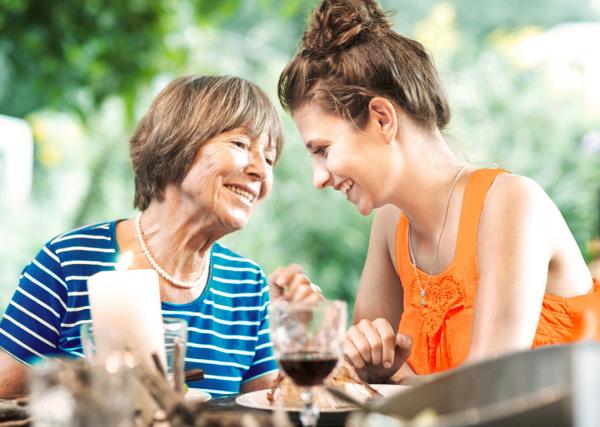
[264, 360]
[30, 327]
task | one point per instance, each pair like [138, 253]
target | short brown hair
[349, 54]
[187, 113]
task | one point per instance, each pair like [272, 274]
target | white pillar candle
[126, 313]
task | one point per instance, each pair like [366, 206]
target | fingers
[280, 278]
[290, 283]
[388, 341]
[282, 275]
[403, 346]
[356, 348]
[301, 290]
[373, 339]
[370, 343]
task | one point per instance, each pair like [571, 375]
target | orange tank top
[441, 330]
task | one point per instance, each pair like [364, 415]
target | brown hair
[187, 113]
[349, 54]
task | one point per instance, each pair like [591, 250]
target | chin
[236, 221]
[364, 210]
[237, 224]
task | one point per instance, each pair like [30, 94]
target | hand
[291, 284]
[375, 351]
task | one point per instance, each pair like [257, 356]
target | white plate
[196, 395]
[258, 399]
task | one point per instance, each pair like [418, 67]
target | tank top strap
[403, 264]
[476, 190]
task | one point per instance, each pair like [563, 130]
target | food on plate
[285, 391]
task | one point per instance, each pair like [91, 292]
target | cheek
[335, 162]
[266, 187]
[203, 174]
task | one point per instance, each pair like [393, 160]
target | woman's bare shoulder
[517, 206]
[518, 197]
[512, 186]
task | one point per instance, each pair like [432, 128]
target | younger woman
[463, 263]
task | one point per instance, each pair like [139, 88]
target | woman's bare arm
[380, 293]
[13, 376]
[372, 344]
[517, 236]
[260, 383]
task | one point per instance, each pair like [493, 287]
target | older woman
[203, 160]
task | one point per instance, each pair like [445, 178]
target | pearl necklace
[172, 280]
[437, 246]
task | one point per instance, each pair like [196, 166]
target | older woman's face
[230, 175]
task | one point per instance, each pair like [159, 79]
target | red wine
[307, 369]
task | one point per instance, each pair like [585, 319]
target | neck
[179, 239]
[427, 173]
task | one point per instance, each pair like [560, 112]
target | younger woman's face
[344, 158]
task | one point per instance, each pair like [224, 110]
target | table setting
[551, 387]
[133, 375]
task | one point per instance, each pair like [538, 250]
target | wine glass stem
[310, 412]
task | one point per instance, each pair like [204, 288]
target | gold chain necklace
[413, 259]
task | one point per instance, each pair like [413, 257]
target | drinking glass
[175, 331]
[175, 335]
[308, 342]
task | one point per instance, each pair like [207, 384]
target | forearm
[260, 383]
[13, 376]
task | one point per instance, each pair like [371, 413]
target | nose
[257, 166]
[321, 176]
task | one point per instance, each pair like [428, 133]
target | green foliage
[504, 119]
[479, 18]
[74, 54]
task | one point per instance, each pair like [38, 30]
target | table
[326, 419]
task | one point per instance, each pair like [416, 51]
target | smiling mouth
[246, 195]
[345, 187]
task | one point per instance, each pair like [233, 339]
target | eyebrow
[310, 143]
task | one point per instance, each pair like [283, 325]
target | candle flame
[124, 261]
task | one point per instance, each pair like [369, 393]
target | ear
[383, 116]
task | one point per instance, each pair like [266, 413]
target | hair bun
[338, 24]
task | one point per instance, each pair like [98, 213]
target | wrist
[391, 380]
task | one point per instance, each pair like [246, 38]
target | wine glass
[308, 344]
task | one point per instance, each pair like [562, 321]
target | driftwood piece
[12, 411]
[19, 423]
[168, 407]
[178, 357]
[194, 375]
[158, 365]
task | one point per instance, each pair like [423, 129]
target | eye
[239, 143]
[270, 160]
[320, 151]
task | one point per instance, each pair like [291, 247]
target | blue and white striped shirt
[228, 330]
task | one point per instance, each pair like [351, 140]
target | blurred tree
[71, 55]
[74, 54]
